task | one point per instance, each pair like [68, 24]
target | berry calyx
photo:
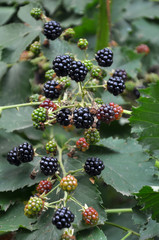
[63, 218]
[90, 216]
[82, 118]
[35, 47]
[118, 110]
[52, 30]
[52, 89]
[93, 166]
[44, 187]
[25, 152]
[120, 73]
[77, 71]
[48, 165]
[50, 74]
[63, 116]
[82, 43]
[88, 64]
[48, 104]
[51, 147]
[115, 85]
[104, 57]
[33, 207]
[36, 13]
[92, 135]
[68, 183]
[61, 65]
[106, 113]
[82, 145]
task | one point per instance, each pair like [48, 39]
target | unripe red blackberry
[33, 207]
[52, 30]
[51, 147]
[106, 113]
[92, 135]
[44, 187]
[90, 216]
[82, 118]
[115, 85]
[68, 34]
[48, 104]
[39, 115]
[98, 73]
[68, 183]
[82, 145]
[94, 166]
[104, 57]
[82, 43]
[35, 47]
[63, 116]
[88, 64]
[61, 65]
[143, 48]
[50, 74]
[36, 13]
[120, 73]
[117, 109]
[63, 218]
[77, 71]
[48, 165]
[52, 89]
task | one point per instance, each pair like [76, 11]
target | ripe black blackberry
[48, 165]
[115, 85]
[77, 71]
[94, 166]
[105, 113]
[52, 30]
[13, 157]
[61, 65]
[104, 57]
[120, 73]
[52, 89]
[63, 117]
[82, 118]
[63, 218]
[25, 152]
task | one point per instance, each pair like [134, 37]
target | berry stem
[81, 93]
[52, 203]
[127, 112]
[97, 86]
[75, 171]
[52, 190]
[38, 59]
[119, 210]
[127, 235]
[19, 105]
[60, 160]
[123, 228]
[77, 202]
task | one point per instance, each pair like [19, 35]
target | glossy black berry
[48, 165]
[77, 71]
[136, 93]
[61, 65]
[94, 166]
[13, 157]
[63, 117]
[120, 73]
[52, 89]
[63, 218]
[115, 85]
[82, 118]
[25, 152]
[104, 57]
[105, 113]
[52, 30]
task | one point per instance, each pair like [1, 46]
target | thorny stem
[60, 160]
[81, 93]
[97, 86]
[19, 105]
[119, 210]
[127, 235]
[75, 171]
[123, 228]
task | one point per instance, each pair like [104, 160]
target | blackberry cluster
[44, 187]
[63, 116]
[82, 118]
[48, 104]
[118, 110]
[92, 135]
[52, 89]
[52, 30]
[68, 183]
[88, 64]
[35, 47]
[51, 147]
[115, 85]
[63, 218]
[82, 145]
[120, 73]
[106, 113]
[61, 65]
[13, 157]
[33, 207]
[64, 81]
[48, 165]
[104, 57]
[82, 44]
[90, 216]
[93, 166]
[50, 74]
[77, 71]
[36, 13]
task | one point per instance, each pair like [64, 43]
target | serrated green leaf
[92, 234]
[149, 230]
[6, 13]
[76, 6]
[3, 69]
[51, 5]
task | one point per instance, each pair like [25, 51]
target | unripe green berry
[93, 84]
[33, 207]
[68, 34]
[92, 135]
[50, 74]
[39, 116]
[36, 13]
[35, 47]
[88, 64]
[82, 43]
[98, 73]
[64, 81]
[98, 100]
[51, 147]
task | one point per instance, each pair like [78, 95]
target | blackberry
[44, 187]
[36, 13]
[136, 93]
[77, 71]
[48, 104]
[106, 113]
[63, 117]
[52, 89]
[82, 118]
[104, 57]
[115, 85]
[50, 74]
[39, 115]
[82, 43]
[61, 65]
[68, 183]
[25, 152]
[117, 109]
[98, 100]
[120, 73]
[90, 216]
[33, 207]
[88, 64]
[98, 73]
[35, 47]
[93, 166]
[13, 157]
[64, 81]
[82, 145]
[52, 30]
[68, 34]
[51, 147]
[63, 218]
[92, 135]
[48, 165]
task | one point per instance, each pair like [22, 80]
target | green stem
[38, 59]
[119, 210]
[52, 190]
[77, 202]
[123, 228]
[126, 236]
[81, 93]
[60, 160]
[75, 171]
[127, 112]
[52, 203]
[69, 106]
[97, 86]
[19, 105]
